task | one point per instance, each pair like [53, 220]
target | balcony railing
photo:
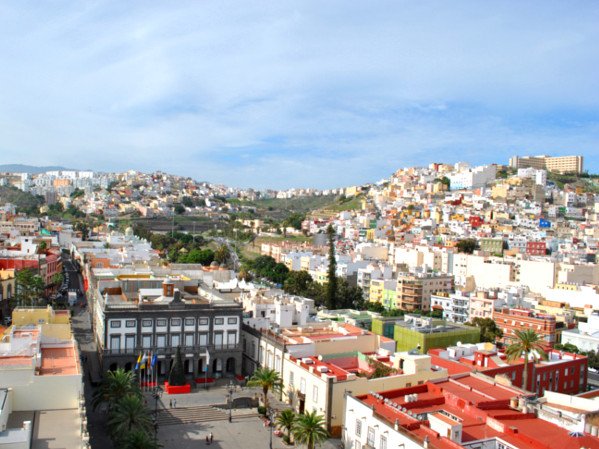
[171, 350]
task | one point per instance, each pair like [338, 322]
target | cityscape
[401, 312]
[299, 225]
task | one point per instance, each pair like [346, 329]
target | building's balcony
[197, 349]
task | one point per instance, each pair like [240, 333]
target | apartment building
[562, 372]
[319, 383]
[455, 306]
[414, 289]
[41, 381]
[586, 336]
[469, 411]
[559, 164]
[511, 320]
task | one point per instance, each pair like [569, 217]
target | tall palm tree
[116, 385]
[309, 429]
[128, 414]
[527, 343]
[140, 439]
[285, 419]
[267, 379]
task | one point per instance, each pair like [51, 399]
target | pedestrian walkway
[188, 415]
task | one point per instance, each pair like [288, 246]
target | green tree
[489, 331]
[179, 209]
[115, 385]
[77, 193]
[285, 420]
[528, 343]
[298, 283]
[348, 296]
[567, 347]
[201, 256]
[279, 273]
[140, 439]
[29, 288]
[294, 220]
[176, 376]
[222, 254]
[467, 246]
[81, 226]
[374, 306]
[309, 429]
[331, 298]
[267, 379]
[128, 414]
[57, 279]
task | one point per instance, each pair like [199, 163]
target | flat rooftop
[480, 405]
[59, 361]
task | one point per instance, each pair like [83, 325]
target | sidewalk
[81, 325]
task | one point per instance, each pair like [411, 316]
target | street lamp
[231, 389]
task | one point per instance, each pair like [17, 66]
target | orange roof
[15, 361]
[59, 361]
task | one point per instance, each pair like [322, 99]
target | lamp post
[156, 394]
[231, 390]
[271, 418]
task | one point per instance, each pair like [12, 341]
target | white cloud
[295, 93]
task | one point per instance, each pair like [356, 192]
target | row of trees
[308, 429]
[129, 421]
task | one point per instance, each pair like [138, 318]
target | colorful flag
[154, 360]
[144, 359]
[138, 360]
[207, 360]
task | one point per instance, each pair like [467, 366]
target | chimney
[168, 288]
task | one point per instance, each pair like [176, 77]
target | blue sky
[298, 93]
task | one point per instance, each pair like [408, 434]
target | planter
[179, 389]
[204, 380]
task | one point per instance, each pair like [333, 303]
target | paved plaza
[194, 417]
[242, 433]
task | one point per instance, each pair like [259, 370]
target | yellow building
[7, 289]
[40, 361]
[376, 290]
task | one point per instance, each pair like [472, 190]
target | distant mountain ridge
[20, 168]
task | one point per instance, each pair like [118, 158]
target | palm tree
[267, 379]
[527, 343]
[116, 385]
[309, 429]
[285, 419]
[140, 439]
[128, 414]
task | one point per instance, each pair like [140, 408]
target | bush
[261, 410]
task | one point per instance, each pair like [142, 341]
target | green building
[423, 333]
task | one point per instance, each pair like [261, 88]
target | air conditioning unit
[322, 369]
[307, 361]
